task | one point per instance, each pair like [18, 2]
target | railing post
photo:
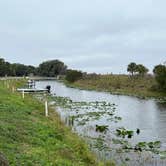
[46, 108]
[46, 105]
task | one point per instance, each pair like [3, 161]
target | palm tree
[132, 68]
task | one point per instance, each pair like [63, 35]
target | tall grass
[121, 84]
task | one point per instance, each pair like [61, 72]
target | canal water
[147, 115]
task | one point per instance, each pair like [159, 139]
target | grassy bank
[120, 84]
[28, 138]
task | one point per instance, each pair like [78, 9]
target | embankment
[120, 84]
[27, 137]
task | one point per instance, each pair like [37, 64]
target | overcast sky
[92, 35]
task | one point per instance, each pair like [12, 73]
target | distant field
[121, 84]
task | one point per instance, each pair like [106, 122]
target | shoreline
[145, 97]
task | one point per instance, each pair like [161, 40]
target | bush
[160, 76]
[73, 75]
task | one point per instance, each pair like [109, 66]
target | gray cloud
[95, 36]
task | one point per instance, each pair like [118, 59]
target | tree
[19, 69]
[8, 69]
[48, 68]
[132, 68]
[73, 75]
[141, 69]
[5, 68]
[2, 65]
[31, 70]
[52, 68]
[160, 76]
[16, 69]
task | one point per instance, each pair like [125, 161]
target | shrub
[73, 75]
[160, 76]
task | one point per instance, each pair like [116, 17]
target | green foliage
[151, 146]
[5, 68]
[132, 68]
[16, 69]
[122, 132]
[160, 76]
[162, 154]
[73, 75]
[48, 69]
[141, 69]
[22, 70]
[102, 128]
[52, 68]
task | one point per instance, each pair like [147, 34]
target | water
[147, 115]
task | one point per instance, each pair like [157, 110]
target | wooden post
[7, 85]
[13, 89]
[4, 82]
[46, 108]
[23, 94]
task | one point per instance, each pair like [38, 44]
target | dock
[42, 78]
[32, 90]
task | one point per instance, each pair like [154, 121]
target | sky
[101, 36]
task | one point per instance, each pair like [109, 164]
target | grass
[121, 84]
[28, 138]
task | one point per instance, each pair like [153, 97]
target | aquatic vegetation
[148, 146]
[100, 144]
[84, 112]
[102, 128]
[153, 145]
[119, 141]
[141, 146]
[88, 116]
[162, 154]
[122, 132]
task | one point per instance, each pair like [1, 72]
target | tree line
[49, 69]
[15, 69]
[53, 68]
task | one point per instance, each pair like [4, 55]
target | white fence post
[46, 108]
